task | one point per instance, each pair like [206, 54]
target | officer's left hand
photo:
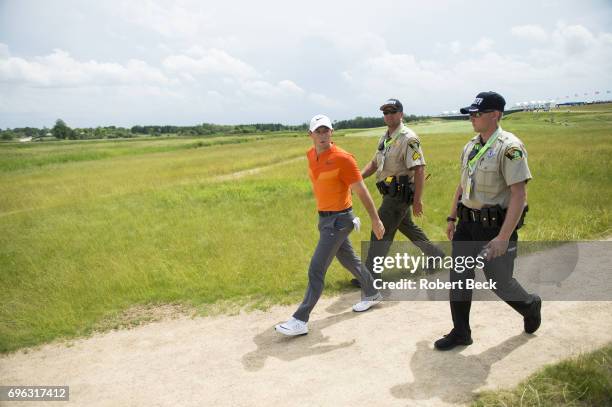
[417, 208]
[497, 247]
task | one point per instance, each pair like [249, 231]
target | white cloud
[290, 86]
[4, 51]
[323, 101]
[530, 32]
[60, 69]
[187, 61]
[483, 45]
[209, 62]
[169, 19]
[455, 47]
[266, 90]
[606, 39]
[575, 39]
[575, 58]
[217, 70]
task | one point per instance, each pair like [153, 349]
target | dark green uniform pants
[395, 215]
[468, 240]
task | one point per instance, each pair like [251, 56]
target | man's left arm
[516, 173]
[499, 245]
[362, 192]
[419, 183]
[415, 161]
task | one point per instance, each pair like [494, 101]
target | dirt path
[256, 170]
[382, 357]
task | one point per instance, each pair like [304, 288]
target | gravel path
[382, 357]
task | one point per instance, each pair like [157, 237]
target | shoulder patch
[414, 145]
[514, 153]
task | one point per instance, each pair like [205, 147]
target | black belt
[330, 213]
[491, 216]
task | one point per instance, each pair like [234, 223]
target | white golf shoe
[293, 327]
[367, 303]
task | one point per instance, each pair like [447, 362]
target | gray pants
[333, 242]
[395, 215]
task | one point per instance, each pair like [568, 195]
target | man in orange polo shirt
[334, 173]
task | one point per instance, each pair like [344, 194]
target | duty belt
[400, 187]
[331, 213]
[490, 217]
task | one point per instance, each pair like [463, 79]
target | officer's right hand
[378, 228]
[450, 230]
[417, 208]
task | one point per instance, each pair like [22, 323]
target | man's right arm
[369, 169]
[450, 227]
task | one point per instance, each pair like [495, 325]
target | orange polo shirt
[331, 174]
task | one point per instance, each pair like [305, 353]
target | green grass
[118, 224]
[433, 126]
[600, 107]
[582, 381]
[19, 156]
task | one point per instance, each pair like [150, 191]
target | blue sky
[186, 62]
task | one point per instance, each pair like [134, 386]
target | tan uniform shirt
[503, 164]
[401, 155]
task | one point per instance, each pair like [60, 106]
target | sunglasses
[389, 112]
[474, 152]
[479, 114]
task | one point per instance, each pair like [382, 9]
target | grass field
[585, 380]
[90, 229]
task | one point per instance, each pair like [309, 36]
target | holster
[406, 188]
[399, 187]
[393, 188]
[382, 188]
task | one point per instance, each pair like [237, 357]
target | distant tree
[62, 131]
[7, 135]
[138, 130]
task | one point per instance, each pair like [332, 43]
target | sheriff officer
[489, 205]
[399, 166]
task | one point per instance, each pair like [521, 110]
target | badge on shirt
[514, 153]
[415, 156]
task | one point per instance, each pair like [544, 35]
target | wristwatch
[451, 219]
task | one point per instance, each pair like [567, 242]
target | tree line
[62, 131]
[369, 122]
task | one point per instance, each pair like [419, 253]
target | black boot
[451, 340]
[533, 321]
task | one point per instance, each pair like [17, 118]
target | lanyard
[473, 161]
[387, 146]
[391, 141]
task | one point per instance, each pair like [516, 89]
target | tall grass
[87, 239]
[585, 380]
